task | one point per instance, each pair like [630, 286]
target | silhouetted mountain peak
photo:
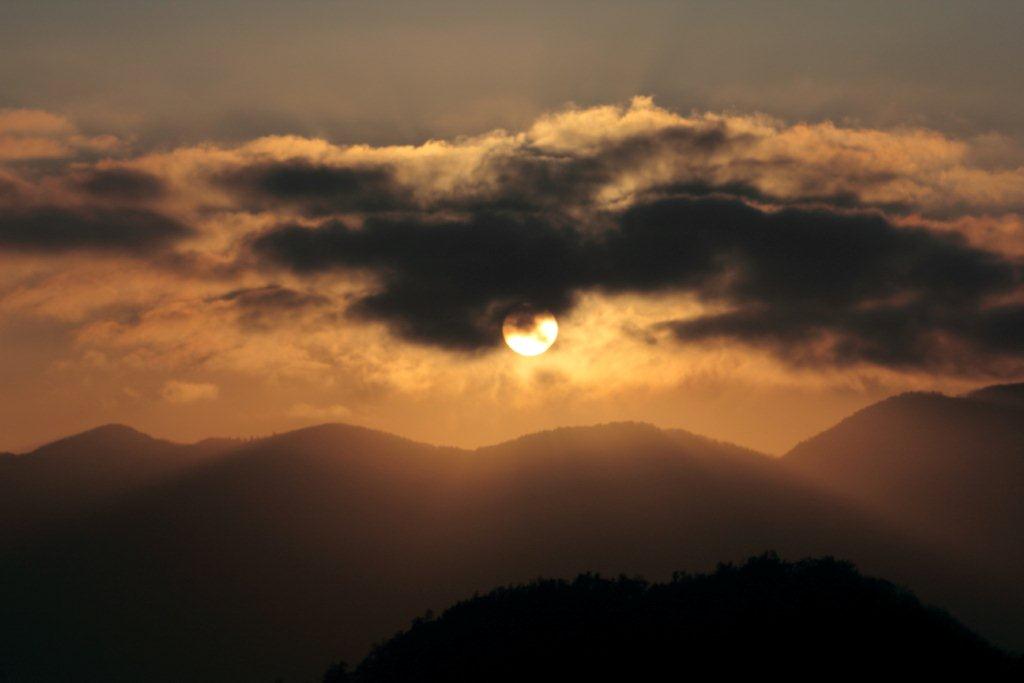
[114, 431]
[920, 414]
[921, 400]
[1005, 395]
[335, 436]
[945, 468]
[109, 437]
[85, 470]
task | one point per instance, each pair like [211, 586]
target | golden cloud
[27, 134]
[193, 298]
[175, 391]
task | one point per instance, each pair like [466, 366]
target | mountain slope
[947, 469]
[288, 550]
[279, 555]
[1007, 395]
[63, 479]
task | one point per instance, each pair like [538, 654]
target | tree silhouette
[338, 673]
[816, 618]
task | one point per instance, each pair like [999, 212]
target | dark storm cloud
[869, 291]
[823, 287]
[530, 179]
[317, 189]
[122, 183]
[796, 255]
[898, 336]
[536, 179]
[809, 198]
[54, 229]
[883, 294]
[447, 283]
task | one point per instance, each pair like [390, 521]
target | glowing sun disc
[529, 331]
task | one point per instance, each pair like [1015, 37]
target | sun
[529, 331]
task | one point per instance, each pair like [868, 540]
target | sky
[750, 218]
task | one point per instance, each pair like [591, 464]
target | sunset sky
[749, 218]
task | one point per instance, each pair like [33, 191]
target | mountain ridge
[122, 431]
[314, 543]
[1008, 395]
[948, 469]
[333, 534]
[109, 434]
[989, 394]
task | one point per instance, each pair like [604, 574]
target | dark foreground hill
[812, 620]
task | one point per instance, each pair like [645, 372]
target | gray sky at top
[179, 72]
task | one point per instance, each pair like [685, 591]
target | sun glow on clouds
[530, 332]
[194, 297]
[175, 391]
[31, 134]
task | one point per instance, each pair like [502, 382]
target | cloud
[265, 307]
[821, 244]
[610, 156]
[447, 283]
[882, 293]
[272, 297]
[317, 189]
[175, 391]
[331, 413]
[58, 229]
[122, 184]
[696, 262]
[32, 134]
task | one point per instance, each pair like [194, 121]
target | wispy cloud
[176, 391]
[32, 134]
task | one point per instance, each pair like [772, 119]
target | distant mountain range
[130, 558]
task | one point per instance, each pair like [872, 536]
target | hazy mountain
[280, 555]
[1008, 395]
[59, 481]
[739, 621]
[949, 470]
